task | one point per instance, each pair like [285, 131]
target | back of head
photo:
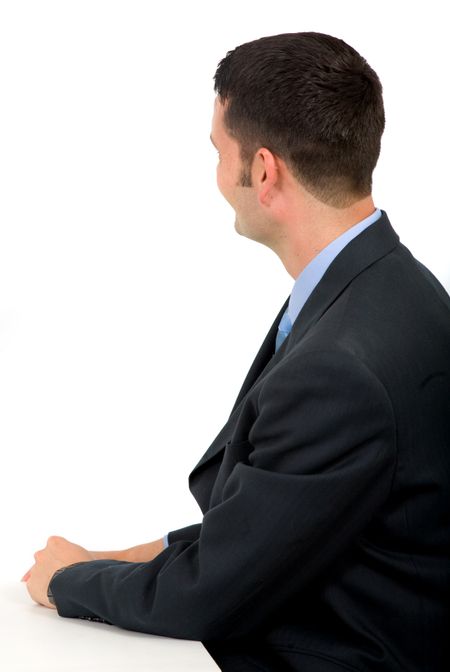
[313, 101]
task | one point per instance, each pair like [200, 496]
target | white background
[115, 244]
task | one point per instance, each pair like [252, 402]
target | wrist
[50, 596]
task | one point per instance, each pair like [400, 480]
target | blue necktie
[284, 329]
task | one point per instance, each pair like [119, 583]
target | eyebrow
[211, 138]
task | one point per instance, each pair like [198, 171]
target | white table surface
[36, 639]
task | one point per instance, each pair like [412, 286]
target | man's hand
[58, 553]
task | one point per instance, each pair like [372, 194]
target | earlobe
[265, 192]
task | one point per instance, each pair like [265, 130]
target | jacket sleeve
[321, 460]
[189, 533]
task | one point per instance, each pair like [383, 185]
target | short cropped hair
[312, 100]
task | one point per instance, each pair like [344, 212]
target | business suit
[326, 496]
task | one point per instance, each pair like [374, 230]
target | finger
[26, 576]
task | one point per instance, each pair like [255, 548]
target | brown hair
[313, 101]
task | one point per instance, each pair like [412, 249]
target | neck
[306, 234]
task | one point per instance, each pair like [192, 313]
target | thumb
[26, 576]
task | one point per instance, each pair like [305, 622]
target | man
[325, 539]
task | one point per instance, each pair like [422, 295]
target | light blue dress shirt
[315, 270]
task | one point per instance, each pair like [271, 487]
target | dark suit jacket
[325, 541]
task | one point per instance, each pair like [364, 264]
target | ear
[265, 174]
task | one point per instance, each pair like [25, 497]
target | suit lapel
[372, 244]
